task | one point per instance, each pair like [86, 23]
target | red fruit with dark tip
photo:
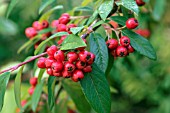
[61, 27]
[130, 49]
[41, 62]
[140, 2]
[82, 48]
[57, 74]
[33, 81]
[44, 24]
[54, 23]
[121, 51]
[112, 43]
[131, 23]
[83, 55]
[49, 71]
[63, 20]
[51, 50]
[48, 62]
[59, 55]
[66, 14]
[87, 69]
[72, 56]
[69, 67]
[91, 59]
[66, 74]
[124, 41]
[37, 25]
[30, 32]
[80, 64]
[57, 66]
[31, 90]
[77, 75]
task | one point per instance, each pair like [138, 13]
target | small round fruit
[59, 55]
[77, 75]
[72, 56]
[66, 74]
[69, 26]
[124, 41]
[69, 67]
[30, 32]
[83, 55]
[80, 64]
[57, 66]
[31, 90]
[66, 14]
[121, 51]
[49, 71]
[23, 102]
[54, 23]
[57, 74]
[131, 23]
[63, 20]
[41, 62]
[37, 25]
[51, 50]
[130, 49]
[113, 53]
[48, 62]
[61, 27]
[33, 81]
[140, 2]
[44, 24]
[91, 59]
[87, 69]
[143, 32]
[112, 43]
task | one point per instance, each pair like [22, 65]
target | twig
[79, 17]
[23, 63]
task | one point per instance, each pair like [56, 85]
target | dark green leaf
[110, 64]
[11, 7]
[98, 23]
[51, 84]
[72, 42]
[105, 9]
[78, 97]
[44, 4]
[62, 107]
[140, 44]
[85, 8]
[99, 48]
[41, 72]
[36, 95]
[96, 90]
[92, 18]
[47, 40]
[4, 78]
[75, 30]
[119, 19]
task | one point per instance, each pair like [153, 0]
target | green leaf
[11, 7]
[62, 106]
[85, 8]
[44, 4]
[96, 90]
[119, 19]
[99, 48]
[45, 30]
[4, 78]
[75, 30]
[98, 23]
[46, 15]
[110, 64]
[105, 9]
[47, 40]
[78, 97]
[140, 44]
[36, 95]
[129, 4]
[51, 85]
[41, 72]
[92, 18]
[72, 42]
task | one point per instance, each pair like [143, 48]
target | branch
[23, 63]
[79, 17]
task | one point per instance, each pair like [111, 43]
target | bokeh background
[139, 85]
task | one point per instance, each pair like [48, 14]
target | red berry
[60, 42]
[143, 32]
[44, 24]
[83, 55]
[61, 27]
[69, 67]
[49, 71]
[82, 48]
[63, 37]
[31, 90]
[57, 74]
[91, 59]
[37, 25]
[121, 51]
[54, 23]
[124, 41]
[87, 69]
[41, 62]
[131, 23]
[80, 64]
[57, 66]
[63, 20]
[113, 53]
[72, 56]
[66, 14]
[66, 74]
[69, 27]
[140, 2]
[130, 49]
[30, 32]
[33, 81]
[112, 43]
[23, 102]
[48, 62]
[77, 75]
[46, 35]
[51, 50]
[59, 55]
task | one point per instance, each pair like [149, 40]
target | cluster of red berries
[140, 2]
[33, 82]
[121, 50]
[67, 63]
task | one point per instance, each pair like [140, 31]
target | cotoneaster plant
[74, 49]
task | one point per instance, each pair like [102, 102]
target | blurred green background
[139, 84]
